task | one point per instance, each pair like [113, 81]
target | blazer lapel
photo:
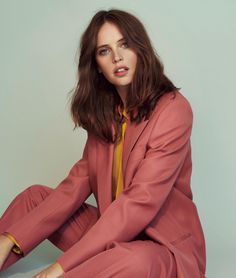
[104, 162]
[132, 133]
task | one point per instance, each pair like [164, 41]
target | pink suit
[156, 200]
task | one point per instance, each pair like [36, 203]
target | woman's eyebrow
[122, 39]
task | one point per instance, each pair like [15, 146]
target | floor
[37, 260]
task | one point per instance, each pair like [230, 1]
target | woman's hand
[53, 271]
[5, 248]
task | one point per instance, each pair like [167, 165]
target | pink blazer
[157, 197]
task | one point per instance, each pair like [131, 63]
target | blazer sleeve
[49, 215]
[168, 145]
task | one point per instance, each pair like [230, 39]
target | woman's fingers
[53, 271]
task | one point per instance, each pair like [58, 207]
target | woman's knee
[149, 259]
[139, 263]
[40, 189]
[36, 193]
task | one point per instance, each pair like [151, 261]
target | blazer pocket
[169, 228]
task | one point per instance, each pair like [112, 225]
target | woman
[136, 162]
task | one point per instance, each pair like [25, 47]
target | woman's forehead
[108, 32]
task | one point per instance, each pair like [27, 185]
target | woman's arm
[169, 143]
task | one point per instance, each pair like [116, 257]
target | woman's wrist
[5, 248]
[7, 242]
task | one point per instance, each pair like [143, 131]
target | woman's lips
[121, 73]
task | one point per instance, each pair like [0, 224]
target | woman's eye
[102, 52]
[105, 51]
[125, 44]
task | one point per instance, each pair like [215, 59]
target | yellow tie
[117, 165]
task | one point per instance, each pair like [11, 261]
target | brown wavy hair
[95, 100]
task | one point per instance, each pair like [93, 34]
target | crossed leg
[137, 258]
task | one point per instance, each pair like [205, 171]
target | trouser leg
[75, 227]
[139, 259]
[64, 237]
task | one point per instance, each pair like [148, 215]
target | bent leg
[75, 227]
[139, 259]
[23, 203]
[64, 237]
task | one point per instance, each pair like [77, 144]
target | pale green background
[196, 41]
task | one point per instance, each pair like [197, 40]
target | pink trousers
[139, 258]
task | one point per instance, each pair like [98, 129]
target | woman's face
[112, 52]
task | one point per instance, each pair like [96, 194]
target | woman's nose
[117, 57]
